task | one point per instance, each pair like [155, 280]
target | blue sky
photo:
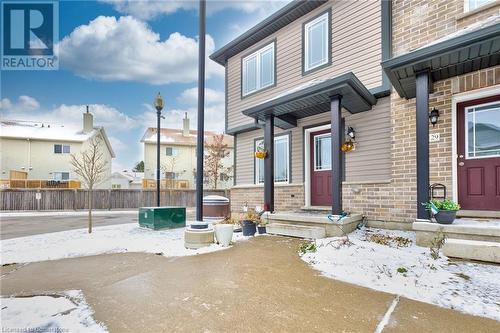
[116, 55]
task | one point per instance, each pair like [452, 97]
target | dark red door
[321, 165]
[478, 150]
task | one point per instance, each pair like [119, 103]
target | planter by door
[224, 233]
[261, 229]
[478, 153]
[249, 228]
[321, 165]
[446, 216]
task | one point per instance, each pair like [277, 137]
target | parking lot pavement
[259, 285]
[20, 224]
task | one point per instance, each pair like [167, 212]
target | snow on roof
[175, 137]
[130, 175]
[41, 131]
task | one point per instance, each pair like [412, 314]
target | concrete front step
[472, 250]
[479, 231]
[292, 230]
[317, 220]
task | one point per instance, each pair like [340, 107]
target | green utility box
[162, 217]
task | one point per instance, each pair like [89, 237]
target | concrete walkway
[260, 285]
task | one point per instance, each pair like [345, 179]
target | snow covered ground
[410, 271]
[109, 239]
[67, 312]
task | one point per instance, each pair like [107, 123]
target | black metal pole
[269, 164]
[158, 115]
[336, 140]
[422, 116]
[201, 114]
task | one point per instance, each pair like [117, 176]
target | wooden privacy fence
[68, 199]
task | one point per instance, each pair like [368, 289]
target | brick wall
[286, 197]
[415, 24]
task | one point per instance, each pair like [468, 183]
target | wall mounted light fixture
[434, 116]
[351, 132]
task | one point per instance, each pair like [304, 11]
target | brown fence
[67, 199]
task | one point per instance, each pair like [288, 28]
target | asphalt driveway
[13, 225]
[260, 285]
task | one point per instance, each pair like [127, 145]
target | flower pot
[445, 216]
[261, 229]
[223, 233]
[249, 228]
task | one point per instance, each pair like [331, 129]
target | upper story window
[170, 151]
[61, 175]
[474, 4]
[62, 149]
[281, 160]
[258, 70]
[317, 42]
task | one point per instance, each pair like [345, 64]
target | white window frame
[257, 55]
[61, 174]
[62, 148]
[256, 163]
[314, 152]
[468, 8]
[323, 17]
[174, 151]
[466, 139]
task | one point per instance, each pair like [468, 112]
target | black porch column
[269, 164]
[336, 133]
[422, 112]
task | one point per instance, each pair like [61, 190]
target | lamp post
[158, 104]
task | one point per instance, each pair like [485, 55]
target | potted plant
[261, 227]
[249, 223]
[224, 231]
[444, 211]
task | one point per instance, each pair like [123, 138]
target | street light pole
[201, 114]
[158, 106]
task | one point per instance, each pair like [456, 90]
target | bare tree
[216, 151]
[90, 165]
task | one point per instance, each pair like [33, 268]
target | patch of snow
[108, 239]
[472, 288]
[34, 130]
[68, 312]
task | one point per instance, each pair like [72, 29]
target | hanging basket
[347, 146]
[260, 154]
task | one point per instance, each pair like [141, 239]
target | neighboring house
[42, 151]
[301, 77]
[127, 180]
[178, 156]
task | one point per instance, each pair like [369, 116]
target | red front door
[478, 150]
[321, 166]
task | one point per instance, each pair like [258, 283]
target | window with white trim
[316, 42]
[281, 160]
[483, 131]
[258, 70]
[470, 5]
[62, 149]
[61, 175]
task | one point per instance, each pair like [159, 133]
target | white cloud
[147, 10]
[24, 102]
[190, 96]
[126, 49]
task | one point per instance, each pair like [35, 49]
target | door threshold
[479, 213]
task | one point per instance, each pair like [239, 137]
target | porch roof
[313, 98]
[470, 49]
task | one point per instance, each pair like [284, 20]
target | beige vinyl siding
[371, 161]
[356, 47]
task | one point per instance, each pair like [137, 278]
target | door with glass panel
[321, 166]
[478, 153]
